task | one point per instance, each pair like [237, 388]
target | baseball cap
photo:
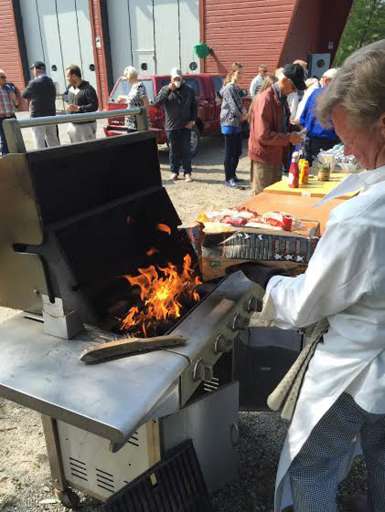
[176, 72]
[296, 74]
[38, 65]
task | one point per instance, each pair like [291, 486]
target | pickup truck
[206, 87]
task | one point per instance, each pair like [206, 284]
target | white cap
[330, 73]
[176, 72]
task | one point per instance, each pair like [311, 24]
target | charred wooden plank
[129, 347]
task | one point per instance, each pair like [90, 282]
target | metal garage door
[153, 35]
[59, 33]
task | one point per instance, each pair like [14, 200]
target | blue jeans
[3, 142]
[180, 150]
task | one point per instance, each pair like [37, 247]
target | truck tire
[194, 140]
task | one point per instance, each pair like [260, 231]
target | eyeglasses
[3, 76]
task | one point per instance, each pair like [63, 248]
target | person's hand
[172, 86]
[72, 108]
[121, 99]
[189, 125]
[13, 98]
[295, 138]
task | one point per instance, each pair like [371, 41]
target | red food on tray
[234, 221]
[278, 219]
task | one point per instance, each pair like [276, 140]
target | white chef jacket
[345, 282]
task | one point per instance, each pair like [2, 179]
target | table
[314, 188]
[298, 206]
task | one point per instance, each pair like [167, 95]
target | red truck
[206, 87]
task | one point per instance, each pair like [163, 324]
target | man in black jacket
[179, 103]
[81, 98]
[41, 93]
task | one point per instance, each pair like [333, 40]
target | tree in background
[366, 24]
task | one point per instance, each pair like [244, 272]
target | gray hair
[130, 72]
[358, 87]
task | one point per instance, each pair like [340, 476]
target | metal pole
[12, 127]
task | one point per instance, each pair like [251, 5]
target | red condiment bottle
[294, 171]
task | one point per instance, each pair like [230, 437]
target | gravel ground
[24, 474]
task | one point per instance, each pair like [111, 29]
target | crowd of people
[40, 93]
[281, 116]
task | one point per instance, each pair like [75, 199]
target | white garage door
[153, 35]
[59, 33]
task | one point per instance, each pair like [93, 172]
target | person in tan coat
[270, 134]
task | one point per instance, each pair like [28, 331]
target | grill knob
[202, 371]
[222, 344]
[239, 322]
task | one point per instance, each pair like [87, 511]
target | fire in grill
[164, 294]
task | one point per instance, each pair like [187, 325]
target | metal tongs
[129, 347]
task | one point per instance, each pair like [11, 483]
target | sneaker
[174, 176]
[231, 183]
[188, 178]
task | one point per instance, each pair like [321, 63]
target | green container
[202, 50]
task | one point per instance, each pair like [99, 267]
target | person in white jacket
[342, 398]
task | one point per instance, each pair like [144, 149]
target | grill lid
[78, 217]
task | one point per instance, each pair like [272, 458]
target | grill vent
[78, 469]
[134, 440]
[211, 385]
[105, 480]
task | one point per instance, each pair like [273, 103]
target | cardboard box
[284, 249]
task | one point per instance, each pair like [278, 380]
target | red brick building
[104, 35]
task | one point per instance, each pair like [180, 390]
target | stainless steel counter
[110, 399]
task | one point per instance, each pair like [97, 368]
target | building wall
[10, 59]
[313, 27]
[248, 31]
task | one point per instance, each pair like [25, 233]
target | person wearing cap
[318, 137]
[8, 104]
[180, 106]
[41, 94]
[81, 98]
[270, 134]
[294, 99]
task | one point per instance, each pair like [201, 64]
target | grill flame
[162, 293]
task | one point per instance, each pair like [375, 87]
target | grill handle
[12, 127]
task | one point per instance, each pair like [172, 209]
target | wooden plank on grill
[129, 347]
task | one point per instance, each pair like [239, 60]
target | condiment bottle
[303, 172]
[294, 171]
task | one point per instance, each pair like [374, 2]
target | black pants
[3, 142]
[180, 150]
[233, 151]
[314, 145]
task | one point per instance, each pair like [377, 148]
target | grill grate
[174, 485]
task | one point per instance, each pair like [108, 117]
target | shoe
[237, 180]
[231, 183]
[174, 176]
[188, 178]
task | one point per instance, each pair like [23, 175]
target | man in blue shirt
[317, 137]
